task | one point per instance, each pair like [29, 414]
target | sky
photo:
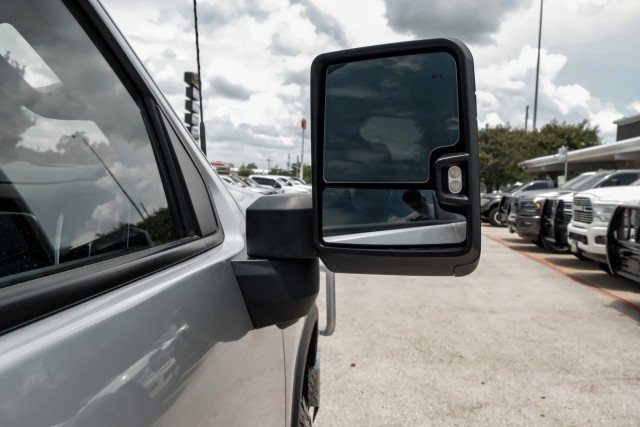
[256, 56]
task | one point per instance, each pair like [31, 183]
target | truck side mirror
[396, 168]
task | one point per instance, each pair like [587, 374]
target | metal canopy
[608, 156]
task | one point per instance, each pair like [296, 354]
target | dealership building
[624, 153]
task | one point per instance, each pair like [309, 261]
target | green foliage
[14, 122]
[159, 226]
[245, 170]
[503, 148]
[307, 174]
[278, 171]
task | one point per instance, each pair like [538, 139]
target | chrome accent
[330, 298]
[567, 213]
[582, 210]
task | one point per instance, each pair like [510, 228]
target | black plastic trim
[281, 226]
[200, 217]
[277, 291]
[29, 301]
[424, 260]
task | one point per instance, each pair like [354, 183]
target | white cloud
[491, 119]
[586, 69]
[604, 120]
[486, 100]
[569, 97]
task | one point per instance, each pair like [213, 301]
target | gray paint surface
[178, 345]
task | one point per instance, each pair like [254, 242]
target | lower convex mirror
[395, 144]
[388, 217]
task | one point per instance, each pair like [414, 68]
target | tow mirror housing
[396, 169]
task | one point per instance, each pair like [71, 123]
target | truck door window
[621, 179]
[79, 180]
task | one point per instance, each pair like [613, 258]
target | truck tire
[304, 417]
[494, 217]
[582, 257]
[552, 248]
[605, 267]
[539, 242]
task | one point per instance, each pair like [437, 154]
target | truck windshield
[577, 181]
[589, 183]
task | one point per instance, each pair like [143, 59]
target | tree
[502, 148]
[247, 170]
[14, 122]
[307, 174]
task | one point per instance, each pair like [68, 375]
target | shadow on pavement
[624, 292]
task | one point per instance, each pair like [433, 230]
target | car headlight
[538, 205]
[603, 212]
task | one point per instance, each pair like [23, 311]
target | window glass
[591, 182]
[621, 179]
[78, 176]
[538, 186]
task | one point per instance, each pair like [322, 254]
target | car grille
[527, 207]
[582, 210]
[566, 212]
[504, 204]
[513, 205]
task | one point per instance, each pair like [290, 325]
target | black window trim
[29, 301]
[163, 120]
[92, 23]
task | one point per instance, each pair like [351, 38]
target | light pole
[563, 153]
[303, 125]
[203, 139]
[535, 102]
[268, 166]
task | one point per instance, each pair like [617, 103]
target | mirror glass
[388, 217]
[384, 117]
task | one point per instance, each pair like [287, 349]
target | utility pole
[526, 119]
[303, 125]
[535, 102]
[201, 133]
[289, 162]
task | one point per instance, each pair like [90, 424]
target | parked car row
[490, 204]
[267, 184]
[595, 216]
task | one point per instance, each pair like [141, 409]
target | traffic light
[192, 104]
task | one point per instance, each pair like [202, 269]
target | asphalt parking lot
[587, 273]
[527, 339]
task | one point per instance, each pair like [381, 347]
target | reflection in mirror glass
[384, 117]
[20, 55]
[388, 217]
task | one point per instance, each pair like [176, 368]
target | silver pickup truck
[136, 290]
